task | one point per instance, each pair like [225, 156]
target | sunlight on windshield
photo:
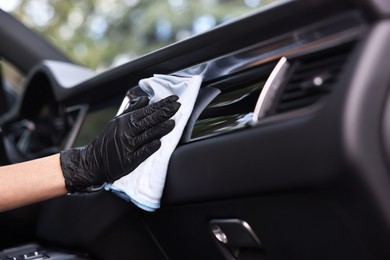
[104, 33]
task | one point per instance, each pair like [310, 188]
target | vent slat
[316, 64]
[298, 94]
[288, 106]
[298, 76]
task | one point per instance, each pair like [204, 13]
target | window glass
[12, 77]
[104, 33]
[11, 83]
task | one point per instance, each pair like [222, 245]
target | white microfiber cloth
[144, 186]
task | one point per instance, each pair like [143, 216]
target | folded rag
[144, 186]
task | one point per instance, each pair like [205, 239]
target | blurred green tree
[104, 33]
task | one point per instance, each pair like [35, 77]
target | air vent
[312, 77]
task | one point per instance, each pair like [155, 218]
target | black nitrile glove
[124, 143]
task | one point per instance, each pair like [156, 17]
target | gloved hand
[124, 143]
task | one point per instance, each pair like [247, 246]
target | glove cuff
[73, 170]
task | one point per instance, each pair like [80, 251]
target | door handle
[236, 239]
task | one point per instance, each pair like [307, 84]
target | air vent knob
[317, 81]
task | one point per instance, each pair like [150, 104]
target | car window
[11, 82]
[101, 34]
[12, 77]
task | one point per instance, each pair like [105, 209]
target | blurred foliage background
[104, 33]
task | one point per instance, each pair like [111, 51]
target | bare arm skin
[30, 182]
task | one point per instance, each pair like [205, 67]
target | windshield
[101, 34]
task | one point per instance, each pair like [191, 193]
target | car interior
[285, 156]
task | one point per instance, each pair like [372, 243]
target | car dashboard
[285, 155]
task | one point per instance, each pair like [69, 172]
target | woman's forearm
[30, 182]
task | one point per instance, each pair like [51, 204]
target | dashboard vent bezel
[311, 77]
